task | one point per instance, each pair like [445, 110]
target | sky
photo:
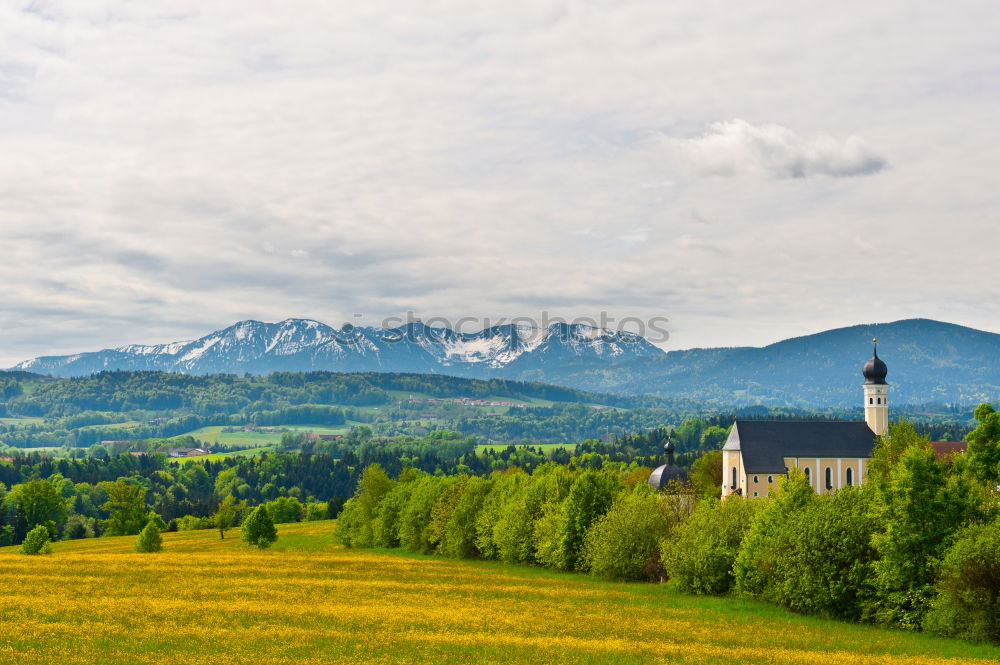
[749, 171]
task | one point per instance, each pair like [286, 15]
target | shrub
[194, 523]
[968, 589]
[921, 509]
[415, 519]
[284, 510]
[354, 525]
[459, 537]
[700, 556]
[548, 535]
[37, 541]
[149, 539]
[385, 526]
[316, 512]
[77, 527]
[754, 565]
[825, 557]
[258, 529]
[514, 532]
[348, 523]
[589, 499]
[154, 518]
[507, 485]
[624, 544]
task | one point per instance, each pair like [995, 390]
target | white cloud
[736, 147]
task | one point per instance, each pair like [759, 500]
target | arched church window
[756, 479]
[879, 400]
[871, 400]
[734, 478]
[829, 478]
[849, 477]
[770, 480]
[809, 476]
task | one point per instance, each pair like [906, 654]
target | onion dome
[662, 475]
[874, 370]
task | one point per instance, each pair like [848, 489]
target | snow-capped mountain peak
[306, 345]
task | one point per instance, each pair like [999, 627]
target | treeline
[917, 546]
[322, 472]
[209, 395]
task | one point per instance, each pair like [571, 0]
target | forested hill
[31, 395]
[929, 362]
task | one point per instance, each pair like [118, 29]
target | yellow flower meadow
[202, 600]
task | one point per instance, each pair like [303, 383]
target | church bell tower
[876, 392]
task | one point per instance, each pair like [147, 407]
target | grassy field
[544, 446]
[214, 434]
[206, 601]
[215, 457]
[20, 422]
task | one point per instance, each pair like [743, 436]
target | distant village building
[186, 452]
[311, 436]
[832, 454]
[945, 451]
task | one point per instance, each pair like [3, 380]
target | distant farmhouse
[177, 453]
[832, 454]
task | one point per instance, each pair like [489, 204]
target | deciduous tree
[258, 529]
[126, 509]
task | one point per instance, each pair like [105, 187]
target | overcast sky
[752, 171]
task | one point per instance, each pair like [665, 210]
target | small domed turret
[875, 370]
[662, 475]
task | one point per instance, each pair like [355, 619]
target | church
[832, 454]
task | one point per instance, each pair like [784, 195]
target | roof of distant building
[946, 450]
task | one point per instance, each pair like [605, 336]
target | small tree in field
[149, 539]
[225, 516]
[258, 529]
[37, 541]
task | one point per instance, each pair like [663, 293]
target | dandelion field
[203, 600]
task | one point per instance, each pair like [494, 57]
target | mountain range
[306, 345]
[929, 361]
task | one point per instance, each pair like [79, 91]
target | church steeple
[876, 392]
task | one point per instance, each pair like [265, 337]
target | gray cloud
[736, 147]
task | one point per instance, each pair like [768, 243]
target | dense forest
[78, 414]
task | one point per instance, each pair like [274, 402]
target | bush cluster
[559, 517]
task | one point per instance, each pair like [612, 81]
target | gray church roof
[765, 443]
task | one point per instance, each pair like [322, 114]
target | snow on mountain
[307, 345]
